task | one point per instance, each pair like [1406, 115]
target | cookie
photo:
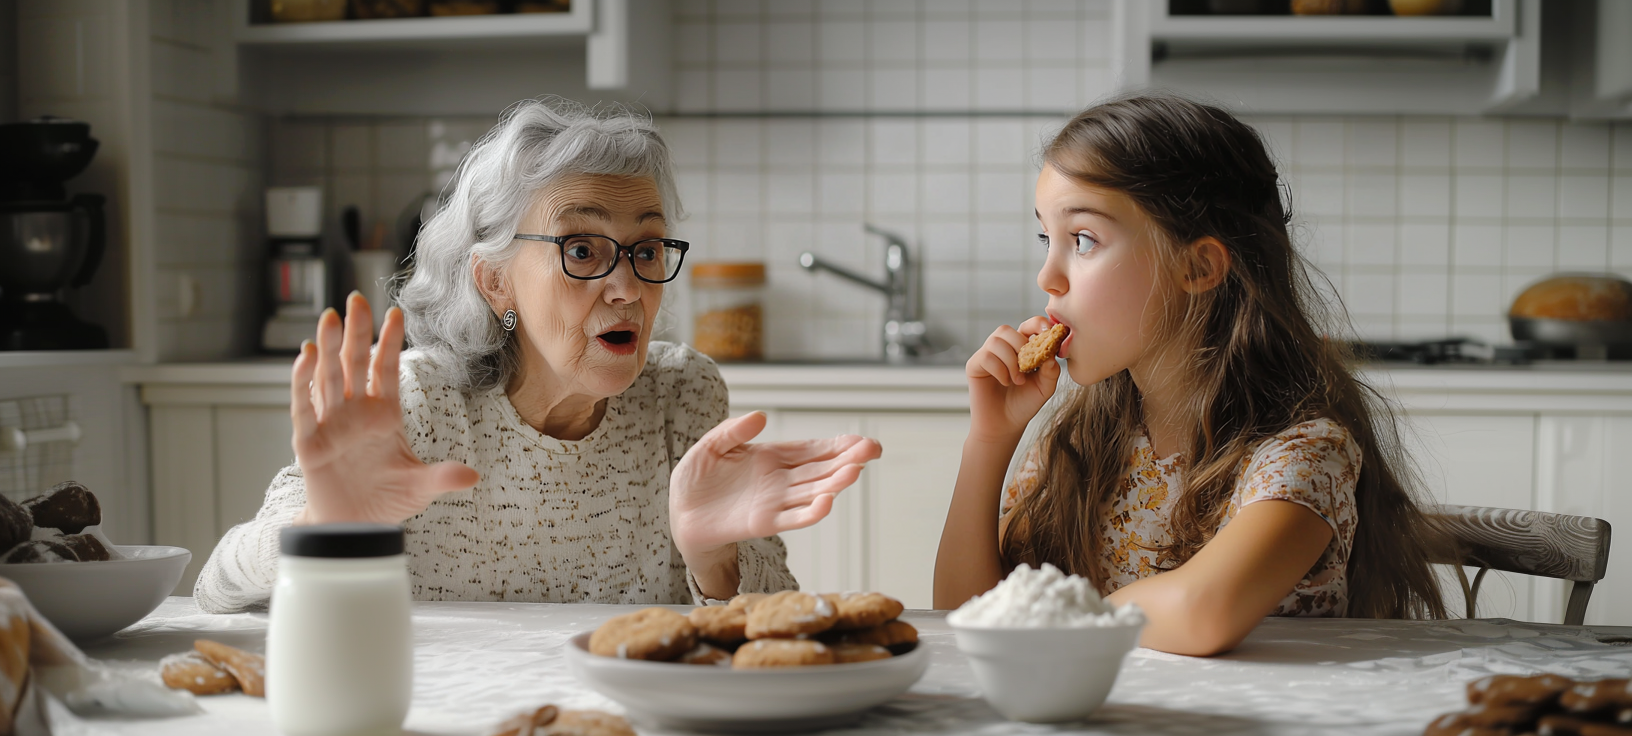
[525, 723]
[788, 614]
[1597, 696]
[68, 507]
[1041, 347]
[587, 723]
[862, 610]
[720, 624]
[1487, 715]
[848, 653]
[1517, 689]
[890, 634]
[247, 668]
[746, 601]
[190, 671]
[1456, 724]
[650, 633]
[1563, 725]
[767, 653]
[86, 548]
[16, 526]
[40, 550]
[705, 653]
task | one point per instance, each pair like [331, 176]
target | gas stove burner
[1430, 352]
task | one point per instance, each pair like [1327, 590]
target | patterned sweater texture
[551, 521]
[1315, 464]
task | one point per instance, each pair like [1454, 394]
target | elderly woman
[599, 464]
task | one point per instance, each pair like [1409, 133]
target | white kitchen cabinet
[1551, 440]
[1451, 65]
[1584, 467]
[601, 49]
[1480, 460]
[884, 531]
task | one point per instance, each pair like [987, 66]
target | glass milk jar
[339, 648]
[728, 301]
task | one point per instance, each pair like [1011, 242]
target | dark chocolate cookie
[87, 548]
[68, 507]
[16, 526]
[40, 550]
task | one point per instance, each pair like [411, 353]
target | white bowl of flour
[1043, 645]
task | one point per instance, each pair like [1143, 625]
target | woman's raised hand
[349, 439]
[1002, 400]
[727, 490]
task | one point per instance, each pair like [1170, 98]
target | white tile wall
[926, 116]
[209, 170]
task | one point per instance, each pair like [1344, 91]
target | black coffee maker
[49, 242]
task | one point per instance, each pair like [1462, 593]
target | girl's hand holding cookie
[349, 439]
[1002, 397]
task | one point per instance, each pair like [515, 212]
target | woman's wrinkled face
[592, 335]
[1101, 275]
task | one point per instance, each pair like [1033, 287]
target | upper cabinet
[598, 49]
[1485, 60]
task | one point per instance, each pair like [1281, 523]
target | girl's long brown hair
[1257, 363]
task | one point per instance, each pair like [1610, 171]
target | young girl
[1219, 462]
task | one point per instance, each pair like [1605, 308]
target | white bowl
[1047, 675]
[90, 600]
[712, 698]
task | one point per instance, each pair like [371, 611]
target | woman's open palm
[727, 489]
[348, 438]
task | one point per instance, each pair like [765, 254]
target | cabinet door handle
[13, 439]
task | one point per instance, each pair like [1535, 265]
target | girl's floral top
[1315, 465]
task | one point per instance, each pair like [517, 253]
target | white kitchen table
[476, 663]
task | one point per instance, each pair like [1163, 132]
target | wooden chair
[1574, 548]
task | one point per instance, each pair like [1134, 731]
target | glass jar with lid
[728, 301]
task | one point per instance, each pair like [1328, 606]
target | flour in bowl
[1044, 598]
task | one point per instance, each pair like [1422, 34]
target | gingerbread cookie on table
[650, 633]
[248, 668]
[190, 671]
[552, 721]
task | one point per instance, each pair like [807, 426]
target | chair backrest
[1528, 542]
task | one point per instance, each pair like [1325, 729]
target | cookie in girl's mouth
[1042, 347]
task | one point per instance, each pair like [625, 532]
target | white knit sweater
[550, 520]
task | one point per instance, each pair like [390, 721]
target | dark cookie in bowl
[68, 507]
[40, 550]
[16, 526]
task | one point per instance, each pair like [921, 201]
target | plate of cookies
[779, 662]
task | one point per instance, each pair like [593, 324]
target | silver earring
[509, 320]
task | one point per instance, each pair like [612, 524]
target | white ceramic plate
[90, 600]
[712, 698]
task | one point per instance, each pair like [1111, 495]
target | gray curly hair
[534, 143]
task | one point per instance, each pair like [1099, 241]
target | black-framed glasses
[588, 257]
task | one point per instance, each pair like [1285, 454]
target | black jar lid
[341, 540]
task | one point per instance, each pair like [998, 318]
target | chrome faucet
[904, 330]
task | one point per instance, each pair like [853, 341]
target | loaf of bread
[1576, 298]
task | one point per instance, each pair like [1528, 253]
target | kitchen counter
[1547, 386]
